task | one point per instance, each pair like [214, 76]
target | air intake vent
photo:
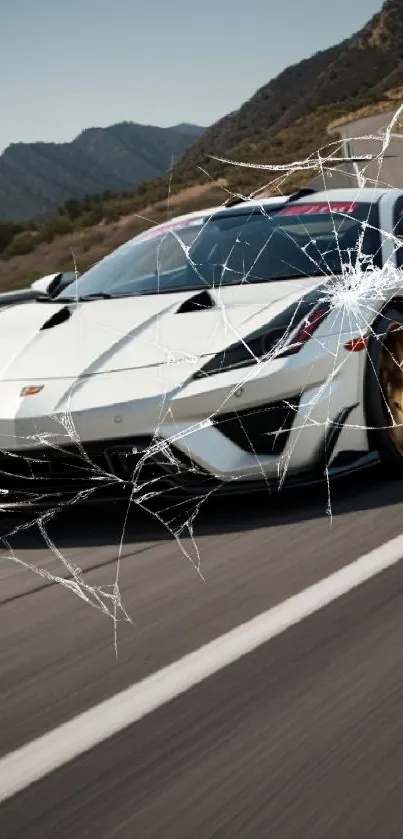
[59, 317]
[203, 300]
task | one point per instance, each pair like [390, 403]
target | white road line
[38, 758]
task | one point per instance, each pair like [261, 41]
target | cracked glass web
[350, 293]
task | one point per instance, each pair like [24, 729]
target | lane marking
[45, 754]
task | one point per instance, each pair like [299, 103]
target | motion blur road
[301, 738]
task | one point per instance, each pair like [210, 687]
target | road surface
[300, 738]
[367, 137]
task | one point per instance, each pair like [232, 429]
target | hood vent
[202, 300]
[59, 317]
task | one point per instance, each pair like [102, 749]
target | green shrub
[20, 246]
[57, 226]
[8, 231]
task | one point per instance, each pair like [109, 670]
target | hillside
[36, 178]
[359, 69]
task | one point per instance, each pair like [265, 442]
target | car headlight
[276, 340]
[242, 353]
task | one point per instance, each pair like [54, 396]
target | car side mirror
[41, 286]
[53, 284]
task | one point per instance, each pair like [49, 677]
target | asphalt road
[366, 137]
[301, 738]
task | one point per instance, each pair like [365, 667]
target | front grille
[263, 430]
[143, 465]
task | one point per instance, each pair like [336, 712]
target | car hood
[55, 340]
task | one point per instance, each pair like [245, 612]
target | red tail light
[357, 344]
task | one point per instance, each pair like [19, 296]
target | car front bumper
[154, 431]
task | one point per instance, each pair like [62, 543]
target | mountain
[358, 70]
[187, 128]
[36, 178]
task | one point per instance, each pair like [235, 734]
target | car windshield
[230, 248]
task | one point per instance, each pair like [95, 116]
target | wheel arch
[378, 438]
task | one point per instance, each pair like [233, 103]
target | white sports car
[226, 349]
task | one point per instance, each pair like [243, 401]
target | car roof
[250, 203]
[362, 194]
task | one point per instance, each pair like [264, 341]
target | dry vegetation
[84, 247]
[393, 99]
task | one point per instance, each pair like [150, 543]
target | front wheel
[383, 389]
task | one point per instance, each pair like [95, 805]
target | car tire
[383, 390]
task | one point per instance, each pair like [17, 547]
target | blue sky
[70, 65]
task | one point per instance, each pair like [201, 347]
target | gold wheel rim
[391, 381]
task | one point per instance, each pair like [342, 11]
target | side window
[398, 230]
